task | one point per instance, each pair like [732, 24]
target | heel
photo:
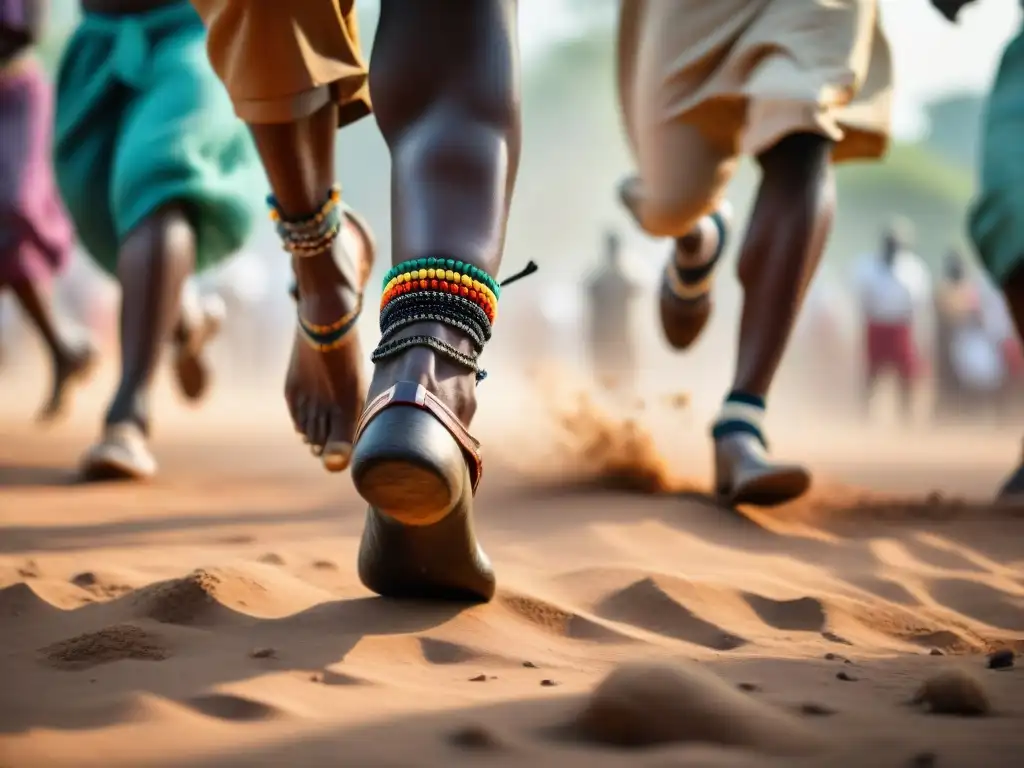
[407, 466]
[419, 468]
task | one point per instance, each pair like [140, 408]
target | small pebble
[748, 687]
[263, 653]
[529, 665]
[478, 679]
[935, 652]
[923, 760]
[1001, 659]
[548, 683]
[846, 678]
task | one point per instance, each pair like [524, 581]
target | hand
[950, 8]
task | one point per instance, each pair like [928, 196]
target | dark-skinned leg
[784, 243]
[1013, 290]
[71, 361]
[324, 389]
[153, 263]
[444, 83]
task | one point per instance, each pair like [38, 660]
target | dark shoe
[684, 300]
[418, 467]
[746, 474]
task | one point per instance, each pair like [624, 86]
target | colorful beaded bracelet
[470, 289]
[331, 203]
[449, 265]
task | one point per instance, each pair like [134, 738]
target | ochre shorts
[282, 60]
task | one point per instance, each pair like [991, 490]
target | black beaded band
[440, 303]
[443, 348]
[404, 320]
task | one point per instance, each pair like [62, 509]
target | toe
[338, 446]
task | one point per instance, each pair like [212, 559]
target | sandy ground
[213, 617]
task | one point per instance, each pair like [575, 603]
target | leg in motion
[71, 359]
[152, 266]
[444, 81]
[162, 181]
[35, 235]
[783, 245]
[688, 121]
[682, 171]
[294, 102]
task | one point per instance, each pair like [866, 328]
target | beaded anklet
[312, 236]
[440, 290]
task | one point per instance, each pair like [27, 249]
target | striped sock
[740, 413]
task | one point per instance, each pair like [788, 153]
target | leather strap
[410, 393]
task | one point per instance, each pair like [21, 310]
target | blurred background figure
[35, 236]
[611, 295]
[893, 290]
[970, 367]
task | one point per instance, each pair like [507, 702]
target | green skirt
[142, 122]
[996, 220]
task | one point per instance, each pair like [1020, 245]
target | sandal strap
[416, 395]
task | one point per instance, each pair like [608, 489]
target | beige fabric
[702, 83]
[282, 60]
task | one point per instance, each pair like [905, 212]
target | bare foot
[198, 327]
[121, 454]
[71, 367]
[325, 389]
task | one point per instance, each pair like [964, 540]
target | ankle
[128, 409]
[701, 244]
[741, 413]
